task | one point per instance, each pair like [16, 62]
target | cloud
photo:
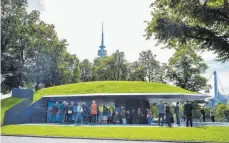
[39, 5]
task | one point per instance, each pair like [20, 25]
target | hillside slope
[109, 87]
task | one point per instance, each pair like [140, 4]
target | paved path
[131, 125]
[11, 139]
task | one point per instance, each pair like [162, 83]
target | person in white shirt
[78, 113]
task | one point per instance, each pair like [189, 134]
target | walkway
[13, 139]
[133, 125]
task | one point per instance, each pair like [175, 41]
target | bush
[226, 114]
[221, 112]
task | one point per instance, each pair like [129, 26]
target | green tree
[136, 72]
[221, 111]
[86, 70]
[204, 24]
[112, 67]
[150, 65]
[15, 42]
[163, 73]
[76, 71]
[31, 50]
[185, 69]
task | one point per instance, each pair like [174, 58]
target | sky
[80, 22]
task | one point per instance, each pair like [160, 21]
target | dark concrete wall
[22, 93]
[13, 115]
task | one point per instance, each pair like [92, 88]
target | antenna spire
[102, 42]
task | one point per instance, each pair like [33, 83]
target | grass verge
[109, 87]
[208, 134]
[7, 104]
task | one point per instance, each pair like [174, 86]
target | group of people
[165, 111]
[84, 114]
[77, 113]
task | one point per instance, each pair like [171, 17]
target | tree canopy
[204, 24]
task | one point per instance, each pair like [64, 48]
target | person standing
[85, 113]
[65, 111]
[160, 109]
[139, 115]
[94, 111]
[134, 116]
[128, 117]
[78, 113]
[177, 112]
[61, 112]
[70, 112]
[188, 113]
[123, 115]
[54, 112]
[168, 115]
[149, 115]
[105, 114]
[116, 119]
[203, 113]
[212, 115]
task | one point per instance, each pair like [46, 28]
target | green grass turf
[208, 134]
[7, 104]
[109, 87]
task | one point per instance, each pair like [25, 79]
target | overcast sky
[79, 21]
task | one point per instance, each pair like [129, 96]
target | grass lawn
[8, 103]
[109, 87]
[208, 134]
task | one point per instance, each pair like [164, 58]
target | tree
[221, 112]
[112, 67]
[76, 71]
[31, 50]
[201, 23]
[86, 70]
[185, 69]
[15, 42]
[136, 72]
[150, 65]
[163, 73]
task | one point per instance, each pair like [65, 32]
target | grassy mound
[8, 103]
[109, 87]
[208, 134]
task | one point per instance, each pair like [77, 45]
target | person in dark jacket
[134, 116]
[85, 113]
[105, 114]
[168, 115]
[203, 114]
[188, 113]
[116, 119]
[128, 117]
[70, 112]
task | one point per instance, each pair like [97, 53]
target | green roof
[109, 87]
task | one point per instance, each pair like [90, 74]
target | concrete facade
[25, 112]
